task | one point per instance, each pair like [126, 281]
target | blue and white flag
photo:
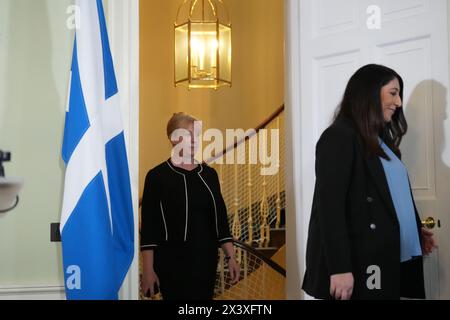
[97, 229]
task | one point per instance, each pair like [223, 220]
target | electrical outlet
[55, 235]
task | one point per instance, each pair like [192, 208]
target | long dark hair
[362, 105]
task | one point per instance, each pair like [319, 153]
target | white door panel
[334, 42]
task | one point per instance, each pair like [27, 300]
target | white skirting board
[33, 293]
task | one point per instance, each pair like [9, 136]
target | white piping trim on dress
[173, 169]
[187, 208]
[187, 199]
[228, 238]
[214, 201]
[164, 220]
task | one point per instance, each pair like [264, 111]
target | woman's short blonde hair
[179, 120]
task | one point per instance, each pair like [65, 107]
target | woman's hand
[341, 286]
[428, 241]
[149, 279]
[233, 266]
[235, 270]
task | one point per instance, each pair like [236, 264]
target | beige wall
[35, 56]
[258, 65]
[258, 74]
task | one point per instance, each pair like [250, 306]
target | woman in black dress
[184, 220]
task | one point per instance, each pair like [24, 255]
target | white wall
[35, 57]
[35, 60]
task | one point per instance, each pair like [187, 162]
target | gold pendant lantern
[203, 45]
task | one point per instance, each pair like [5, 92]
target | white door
[333, 41]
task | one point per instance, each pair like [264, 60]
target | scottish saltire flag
[97, 215]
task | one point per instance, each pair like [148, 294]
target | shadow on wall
[433, 92]
[439, 115]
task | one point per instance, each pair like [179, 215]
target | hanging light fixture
[203, 44]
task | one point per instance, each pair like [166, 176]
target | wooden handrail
[257, 129]
[272, 117]
[275, 266]
[236, 144]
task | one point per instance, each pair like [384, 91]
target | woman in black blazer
[365, 239]
[184, 220]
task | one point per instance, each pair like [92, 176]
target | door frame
[123, 26]
[296, 233]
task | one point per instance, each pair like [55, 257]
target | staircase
[277, 239]
[255, 202]
[256, 214]
[274, 246]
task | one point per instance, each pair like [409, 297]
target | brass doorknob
[429, 223]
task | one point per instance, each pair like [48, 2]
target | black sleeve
[222, 216]
[151, 219]
[334, 162]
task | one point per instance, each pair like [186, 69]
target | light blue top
[398, 181]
